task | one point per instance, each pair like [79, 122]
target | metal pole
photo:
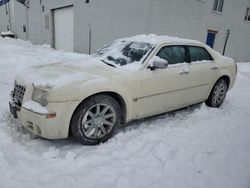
[6, 9]
[9, 16]
[225, 45]
[90, 38]
[27, 24]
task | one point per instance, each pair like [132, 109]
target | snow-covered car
[127, 79]
[8, 34]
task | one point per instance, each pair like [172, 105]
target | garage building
[85, 25]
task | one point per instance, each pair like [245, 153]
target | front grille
[18, 94]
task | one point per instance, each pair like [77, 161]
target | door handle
[184, 71]
[214, 68]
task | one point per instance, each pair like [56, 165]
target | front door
[163, 90]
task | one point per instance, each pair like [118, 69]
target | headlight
[40, 96]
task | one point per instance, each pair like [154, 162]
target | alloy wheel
[219, 93]
[98, 121]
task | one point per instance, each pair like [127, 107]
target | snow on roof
[157, 39]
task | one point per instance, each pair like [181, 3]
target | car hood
[57, 75]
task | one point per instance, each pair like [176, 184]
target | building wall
[192, 19]
[15, 19]
[39, 32]
[126, 18]
[4, 17]
[19, 20]
[232, 18]
[178, 18]
[36, 18]
[106, 20]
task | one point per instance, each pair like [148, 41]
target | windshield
[124, 52]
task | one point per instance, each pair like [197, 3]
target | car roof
[158, 40]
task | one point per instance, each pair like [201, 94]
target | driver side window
[173, 54]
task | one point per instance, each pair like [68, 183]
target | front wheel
[96, 120]
[218, 94]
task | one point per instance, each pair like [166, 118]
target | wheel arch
[209, 101]
[225, 77]
[112, 94]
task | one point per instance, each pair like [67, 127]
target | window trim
[247, 15]
[216, 6]
[189, 56]
[173, 45]
[209, 31]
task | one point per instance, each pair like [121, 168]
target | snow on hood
[60, 74]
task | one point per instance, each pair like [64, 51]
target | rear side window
[199, 54]
[173, 54]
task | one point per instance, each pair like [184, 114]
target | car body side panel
[144, 92]
[161, 90]
[54, 128]
[127, 90]
[201, 77]
[227, 69]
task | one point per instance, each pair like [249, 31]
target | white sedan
[127, 79]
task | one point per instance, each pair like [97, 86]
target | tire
[96, 120]
[218, 94]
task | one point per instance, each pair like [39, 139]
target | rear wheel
[96, 120]
[218, 94]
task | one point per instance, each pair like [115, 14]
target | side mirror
[159, 63]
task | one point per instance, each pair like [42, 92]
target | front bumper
[39, 124]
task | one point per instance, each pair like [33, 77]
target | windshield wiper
[110, 64]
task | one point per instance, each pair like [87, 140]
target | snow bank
[191, 148]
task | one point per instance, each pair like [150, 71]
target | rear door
[203, 71]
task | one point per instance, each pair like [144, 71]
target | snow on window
[199, 54]
[123, 52]
[173, 54]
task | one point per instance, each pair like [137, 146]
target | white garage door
[63, 29]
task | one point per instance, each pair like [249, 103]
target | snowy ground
[194, 147]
